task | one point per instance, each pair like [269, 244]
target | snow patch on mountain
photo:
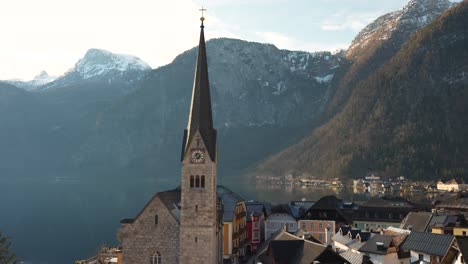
[99, 62]
[415, 15]
[280, 88]
[42, 78]
[324, 79]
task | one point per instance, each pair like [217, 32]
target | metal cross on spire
[202, 18]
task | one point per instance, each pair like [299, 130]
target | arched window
[156, 219]
[196, 239]
[191, 182]
[155, 258]
[203, 181]
[197, 181]
[196, 208]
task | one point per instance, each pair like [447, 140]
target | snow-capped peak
[413, 16]
[99, 62]
[42, 78]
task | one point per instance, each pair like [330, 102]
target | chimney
[328, 235]
[380, 246]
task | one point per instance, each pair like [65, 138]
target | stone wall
[143, 237]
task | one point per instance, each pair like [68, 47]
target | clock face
[197, 156]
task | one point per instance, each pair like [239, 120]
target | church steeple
[200, 116]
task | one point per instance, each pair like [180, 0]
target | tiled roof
[287, 251]
[429, 243]
[281, 209]
[329, 202]
[417, 221]
[372, 247]
[387, 202]
[301, 232]
[352, 257]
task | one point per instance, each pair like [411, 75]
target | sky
[52, 35]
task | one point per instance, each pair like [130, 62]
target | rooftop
[429, 243]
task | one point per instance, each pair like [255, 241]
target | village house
[445, 224]
[255, 225]
[330, 208]
[454, 185]
[280, 216]
[350, 239]
[416, 221]
[234, 224]
[322, 230]
[384, 249]
[381, 212]
[429, 247]
[287, 248]
[453, 203]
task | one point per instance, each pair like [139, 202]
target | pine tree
[6, 256]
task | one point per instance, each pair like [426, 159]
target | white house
[280, 216]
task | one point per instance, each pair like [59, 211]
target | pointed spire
[200, 117]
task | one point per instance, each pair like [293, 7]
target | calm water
[59, 219]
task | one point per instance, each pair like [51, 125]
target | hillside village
[387, 229]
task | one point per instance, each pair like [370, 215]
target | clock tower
[200, 227]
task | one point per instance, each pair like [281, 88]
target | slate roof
[429, 243]
[311, 250]
[371, 245]
[255, 208]
[454, 201]
[171, 199]
[329, 202]
[287, 251]
[463, 246]
[281, 209]
[418, 221]
[352, 257]
[443, 220]
[387, 201]
[302, 232]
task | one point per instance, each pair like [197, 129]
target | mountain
[102, 65]
[267, 95]
[377, 43]
[406, 118]
[41, 79]
[398, 25]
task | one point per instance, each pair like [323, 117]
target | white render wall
[275, 222]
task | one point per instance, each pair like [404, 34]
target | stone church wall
[143, 237]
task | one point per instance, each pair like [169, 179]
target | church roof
[171, 199]
[200, 117]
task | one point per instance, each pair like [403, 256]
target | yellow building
[460, 231]
[235, 226]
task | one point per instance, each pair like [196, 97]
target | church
[184, 225]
